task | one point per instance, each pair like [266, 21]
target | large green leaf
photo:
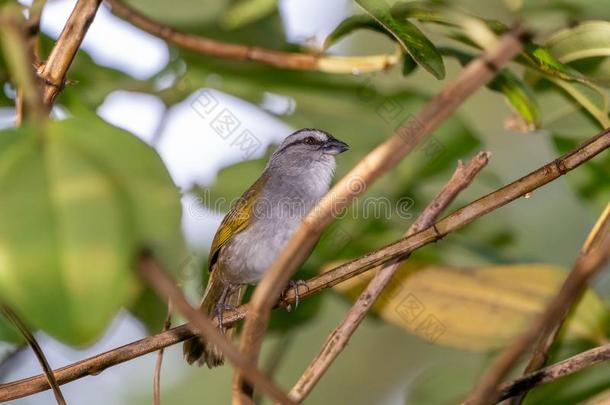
[479, 308]
[80, 199]
[408, 35]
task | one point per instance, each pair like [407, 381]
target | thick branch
[401, 248]
[338, 339]
[167, 289]
[588, 263]
[53, 71]
[279, 59]
[378, 162]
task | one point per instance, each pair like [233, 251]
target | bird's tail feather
[195, 349]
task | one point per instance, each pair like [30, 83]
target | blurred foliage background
[553, 97]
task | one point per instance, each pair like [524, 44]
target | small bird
[259, 225]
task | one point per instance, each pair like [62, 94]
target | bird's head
[307, 146]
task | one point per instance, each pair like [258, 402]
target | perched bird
[259, 225]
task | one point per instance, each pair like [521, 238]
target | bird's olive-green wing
[237, 219]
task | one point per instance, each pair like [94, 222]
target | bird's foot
[219, 313]
[294, 286]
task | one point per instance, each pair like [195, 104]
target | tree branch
[549, 335]
[551, 373]
[338, 339]
[279, 59]
[401, 248]
[31, 340]
[166, 289]
[159, 362]
[591, 259]
[53, 71]
[20, 61]
[379, 161]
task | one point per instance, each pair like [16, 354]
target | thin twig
[162, 283]
[31, 340]
[588, 263]
[29, 105]
[549, 335]
[378, 162]
[32, 28]
[394, 251]
[53, 70]
[339, 337]
[285, 60]
[159, 362]
[553, 372]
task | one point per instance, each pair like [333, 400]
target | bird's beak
[334, 146]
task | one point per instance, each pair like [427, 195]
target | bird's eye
[310, 140]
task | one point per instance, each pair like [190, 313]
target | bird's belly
[251, 252]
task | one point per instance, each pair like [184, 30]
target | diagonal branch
[166, 288]
[591, 259]
[539, 356]
[53, 70]
[279, 59]
[338, 339]
[378, 162]
[551, 373]
[31, 340]
[401, 248]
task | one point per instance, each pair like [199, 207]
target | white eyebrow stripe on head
[298, 137]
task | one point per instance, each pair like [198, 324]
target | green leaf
[183, 13]
[587, 40]
[409, 37]
[408, 65]
[518, 94]
[244, 12]
[80, 200]
[8, 332]
[481, 308]
[591, 97]
[353, 23]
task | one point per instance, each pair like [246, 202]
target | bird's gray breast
[283, 203]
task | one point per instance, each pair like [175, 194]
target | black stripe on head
[310, 140]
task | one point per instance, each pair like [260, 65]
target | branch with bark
[378, 162]
[339, 337]
[278, 59]
[166, 288]
[548, 336]
[38, 352]
[53, 71]
[551, 373]
[389, 253]
[20, 59]
[593, 255]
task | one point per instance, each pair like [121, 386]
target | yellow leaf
[479, 308]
